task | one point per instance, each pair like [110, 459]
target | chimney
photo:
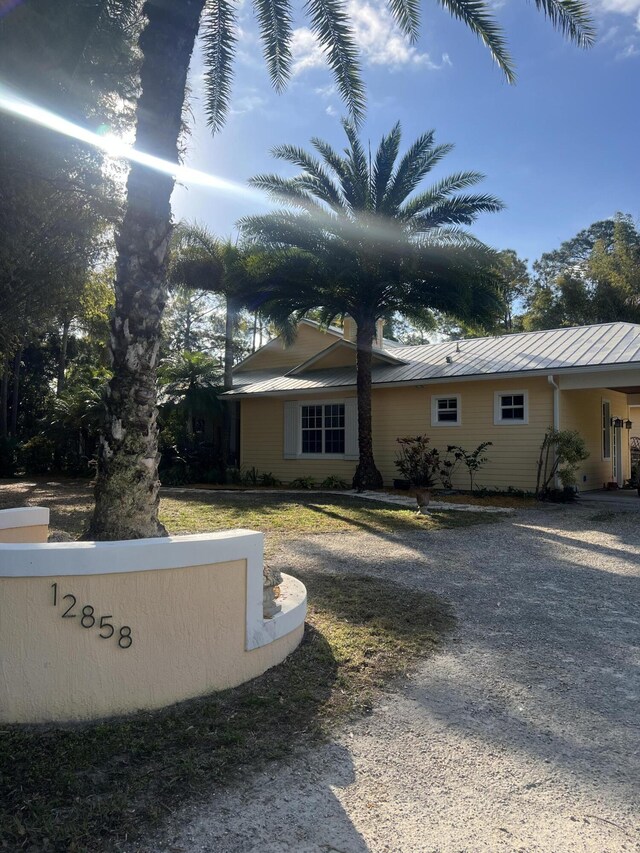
[349, 331]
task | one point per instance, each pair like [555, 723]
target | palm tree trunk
[62, 361]
[127, 484]
[367, 475]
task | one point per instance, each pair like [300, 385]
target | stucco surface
[32, 533]
[188, 637]
[521, 735]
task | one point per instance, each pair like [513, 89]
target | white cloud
[623, 7]
[629, 51]
[331, 111]
[377, 36]
[248, 102]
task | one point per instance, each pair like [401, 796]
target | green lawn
[272, 513]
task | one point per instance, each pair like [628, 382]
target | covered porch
[601, 405]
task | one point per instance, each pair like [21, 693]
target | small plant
[303, 483]
[417, 462]
[474, 459]
[268, 479]
[251, 477]
[332, 482]
[561, 452]
[447, 467]
[233, 476]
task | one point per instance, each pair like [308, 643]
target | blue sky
[561, 147]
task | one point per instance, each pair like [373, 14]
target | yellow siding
[343, 356]
[407, 411]
[275, 355]
[582, 410]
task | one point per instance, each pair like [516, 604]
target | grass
[93, 787]
[273, 513]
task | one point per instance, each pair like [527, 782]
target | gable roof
[379, 356]
[555, 350]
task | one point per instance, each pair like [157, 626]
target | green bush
[303, 483]
[332, 482]
[268, 479]
[416, 461]
[36, 455]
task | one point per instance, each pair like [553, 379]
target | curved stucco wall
[24, 524]
[191, 605]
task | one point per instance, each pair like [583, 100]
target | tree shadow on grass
[89, 787]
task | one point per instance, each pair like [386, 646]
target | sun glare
[115, 147]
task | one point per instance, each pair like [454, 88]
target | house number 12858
[88, 619]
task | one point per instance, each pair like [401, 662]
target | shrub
[416, 461]
[561, 452]
[303, 483]
[268, 479]
[332, 482]
[36, 455]
[448, 465]
[473, 460]
[251, 477]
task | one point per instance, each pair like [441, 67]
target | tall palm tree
[127, 482]
[358, 239]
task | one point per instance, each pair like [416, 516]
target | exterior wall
[275, 355]
[407, 411]
[25, 524]
[194, 628]
[582, 410]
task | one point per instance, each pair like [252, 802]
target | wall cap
[26, 516]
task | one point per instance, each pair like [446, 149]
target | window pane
[447, 416]
[518, 399]
[518, 413]
[507, 414]
[334, 416]
[507, 400]
[312, 441]
[334, 441]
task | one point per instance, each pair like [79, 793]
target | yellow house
[298, 414]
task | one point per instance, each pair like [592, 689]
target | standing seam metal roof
[606, 344]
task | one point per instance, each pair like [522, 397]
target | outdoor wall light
[617, 422]
[628, 424]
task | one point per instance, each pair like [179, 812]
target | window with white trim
[323, 428]
[511, 407]
[445, 411]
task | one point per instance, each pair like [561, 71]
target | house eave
[442, 380]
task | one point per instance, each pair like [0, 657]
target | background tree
[356, 238]
[592, 278]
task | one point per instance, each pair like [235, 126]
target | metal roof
[579, 347]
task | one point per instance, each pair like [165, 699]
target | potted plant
[419, 465]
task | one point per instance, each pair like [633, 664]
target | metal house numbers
[89, 619]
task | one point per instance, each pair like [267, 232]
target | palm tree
[359, 240]
[190, 381]
[127, 482]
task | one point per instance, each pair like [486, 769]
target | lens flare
[115, 147]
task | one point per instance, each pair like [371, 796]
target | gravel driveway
[521, 735]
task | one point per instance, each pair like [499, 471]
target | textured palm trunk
[4, 398]
[367, 475]
[127, 485]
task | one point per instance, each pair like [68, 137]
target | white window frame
[322, 403]
[435, 399]
[498, 420]
[604, 402]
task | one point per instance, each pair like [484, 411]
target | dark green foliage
[8, 457]
[332, 482]
[473, 460]
[36, 455]
[306, 482]
[561, 452]
[416, 461]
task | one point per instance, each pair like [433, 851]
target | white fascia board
[26, 516]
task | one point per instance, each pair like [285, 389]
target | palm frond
[275, 19]
[358, 189]
[290, 190]
[219, 43]
[407, 16]
[459, 210]
[383, 166]
[330, 23]
[476, 15]
[299, 157]
[417, 162]
[572, 18]
[439, 192]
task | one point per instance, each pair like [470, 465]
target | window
[323, 428]
[511, 408]
[606, 429]
[445, 411]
